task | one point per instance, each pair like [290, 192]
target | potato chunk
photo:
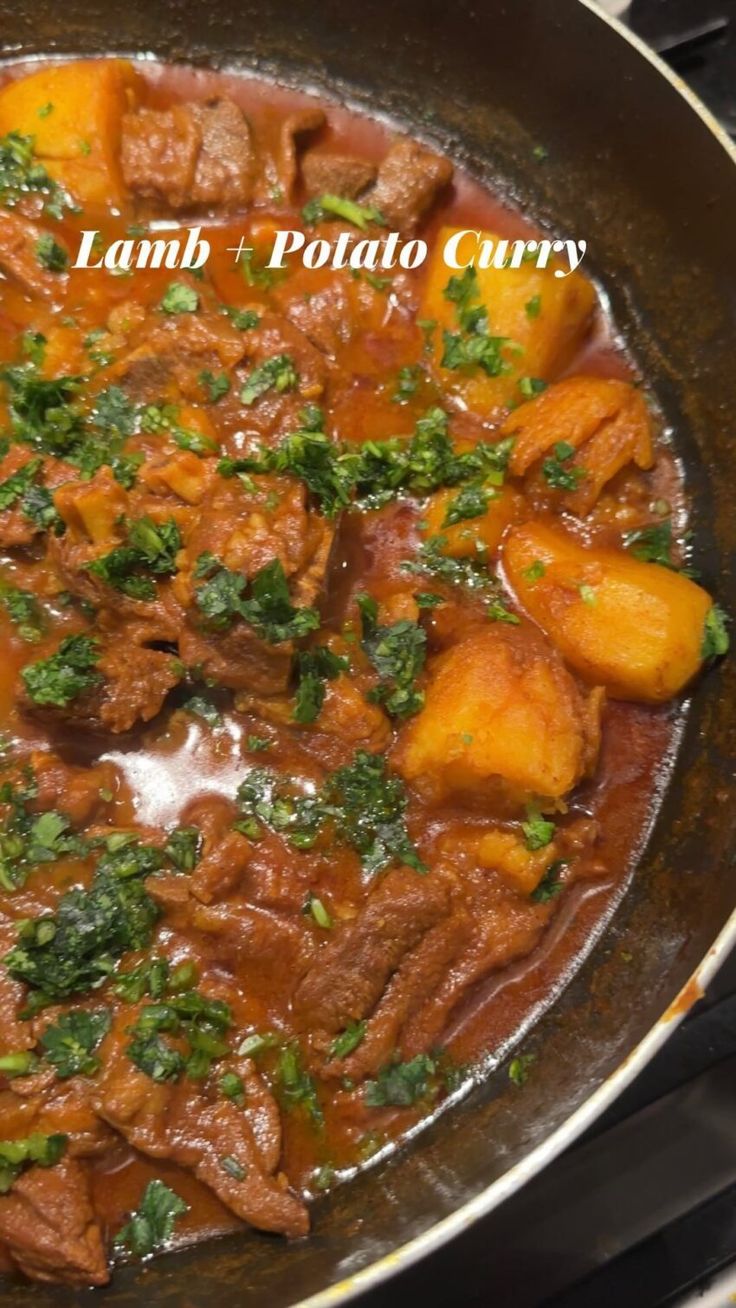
[635, 628]
[502, 717]
[606, 421]
[463, 539]
[74, 113]
[546, 316]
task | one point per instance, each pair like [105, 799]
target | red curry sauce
[390, 855]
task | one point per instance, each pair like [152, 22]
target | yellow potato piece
[501, 717]
[635, 628]
[466, 538]
[549, 329]
[74, 111]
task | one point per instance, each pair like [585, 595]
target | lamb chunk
[197, 1129]
[77, 790]
[349, 976]
[275, 413]
[19, 243]
[177, 348]
[336, 174]
[409, 180]
[408, 994]
[245, 531]
[295, 126]
[226, 162]
[48, 1225]
[132, 684]
[189, 155]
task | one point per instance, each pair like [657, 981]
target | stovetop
[641, 1213]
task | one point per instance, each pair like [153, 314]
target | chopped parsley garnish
[360, 215]
[190, 1016]
[51, 256]
[530, 387]
[315, 909]
[75, 948]
[267, 607]
[151, 549]
[401, 1085]
[557, 471]
[408, 382]
[65, 675]
[360, 803]
[27, 839]
[470, 502]
[152, 1224]
[180, 298]
[520, 1067]
[651, 544]
[35, 1150]
[24, 611]
[216, 384]
[70, 1042]
[397, 652]
[532, 307]
[538, 831]
[315, 668]
[348, 1040]
[257, 273]
[471, 573]
[232, 1087]
[472, 346]
[277, 374]
[369, 806]
[551, 884]
[296, 1087]
[21, 173]
[114, 413]
[377, 471]
[715, 634]
[203, 708]
[497, 612]
[535, 571]
[243, 319]
[183, 848]
[151, 977]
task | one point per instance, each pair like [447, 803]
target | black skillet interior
[632, 169]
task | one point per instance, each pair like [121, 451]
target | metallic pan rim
[540, 1157]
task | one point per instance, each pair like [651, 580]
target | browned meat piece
[48, 1225]
[133, 685]
[351, 972]
[221, 867]
[409, 180]
[74, 789]
[177, 348]
[244, 530]
[19, 260]
[189, 155]
[275, 413]
[268, 949]
[336, 174]
[197, 1129]
[295, 126]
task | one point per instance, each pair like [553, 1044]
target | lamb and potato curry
[343, 614]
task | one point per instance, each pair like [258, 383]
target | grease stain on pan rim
[442, 1232]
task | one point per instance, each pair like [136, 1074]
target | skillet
[642, 174]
